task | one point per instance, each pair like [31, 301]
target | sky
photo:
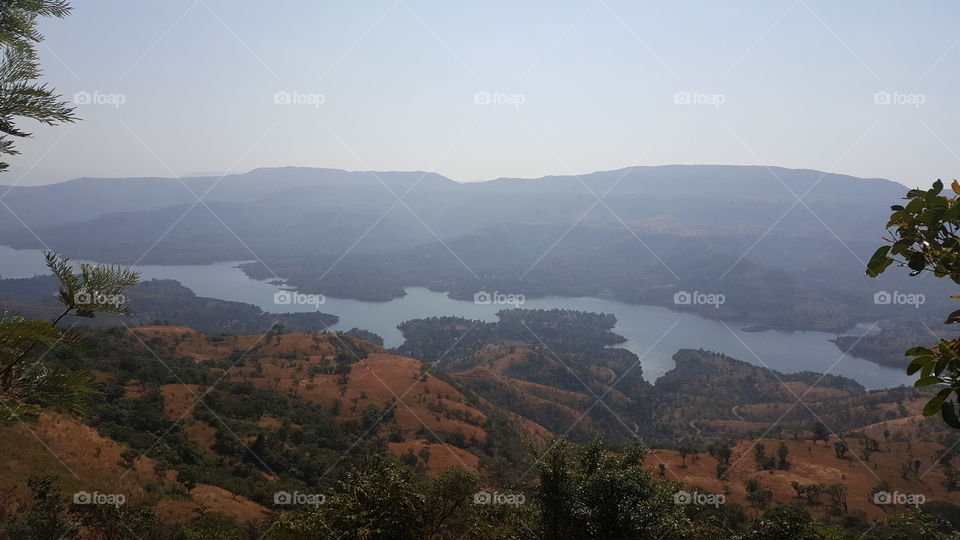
[481, 90]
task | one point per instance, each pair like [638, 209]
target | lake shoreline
[653, 333]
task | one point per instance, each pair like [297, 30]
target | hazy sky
[486, 89]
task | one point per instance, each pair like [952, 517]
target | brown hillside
[83, 460]
[302, 365]
[815, 463]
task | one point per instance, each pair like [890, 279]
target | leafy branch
[923, 238]
[27, 386]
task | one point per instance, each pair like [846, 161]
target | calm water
[653, 333]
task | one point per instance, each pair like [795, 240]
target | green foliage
[385, 499]
[20, 95]
[601, 494]
[784, 522]
[782, 452]
[722, 451]
[914, 524]
[923, 237]
[31, 384]
[45, 520]
[42, 386]
[591, 493]
[120, 521]
[52, 517]
[820, 432]
[96, 289]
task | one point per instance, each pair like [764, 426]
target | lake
[653, 333]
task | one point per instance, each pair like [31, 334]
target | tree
[47, 517]
[784, 522]
[448, 498]
[797, 488]
[764, 462]
[556, 489]
[760, 497]
[838, 499]
[383, 499]
[721, 451]
[915, 524]
[923, 237]
[840, 448]
[867, 447]
[951, 479]
[188, 478]
[20, 95]
[782, 452]
[121, 521]
[820, 432]
[809, 491]
[30, 383]
[601, 494]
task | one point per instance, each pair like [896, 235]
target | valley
[653, 333]
[421, 270]
[243, 416]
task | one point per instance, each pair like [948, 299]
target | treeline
[594, 492]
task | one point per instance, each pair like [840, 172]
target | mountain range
[785, 247]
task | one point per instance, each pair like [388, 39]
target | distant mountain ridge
[638, 234]
[85, 198]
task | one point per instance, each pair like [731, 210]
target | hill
[561, 369]
[164, 302]
[191, 423]
[641, 233]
